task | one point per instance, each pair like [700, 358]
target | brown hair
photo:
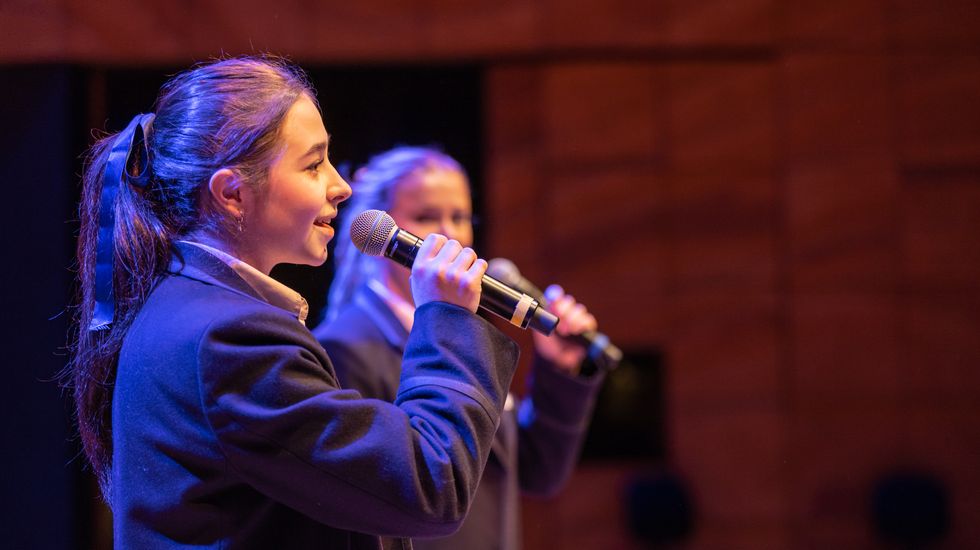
[223, 114]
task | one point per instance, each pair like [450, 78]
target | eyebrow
[320, 147]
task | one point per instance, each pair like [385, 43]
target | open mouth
[323, 221]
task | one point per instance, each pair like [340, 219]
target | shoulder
[181, 304]
[184, 308]
[193, 331]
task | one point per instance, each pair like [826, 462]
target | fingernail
[552, 293]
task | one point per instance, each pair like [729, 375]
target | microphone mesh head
[370, 231]
[506, 272]
[503, 270]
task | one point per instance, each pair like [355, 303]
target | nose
[448, 228]
[453, 228]
[338, 190]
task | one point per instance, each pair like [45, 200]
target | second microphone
[375, 233]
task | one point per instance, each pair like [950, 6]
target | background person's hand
[558, 348]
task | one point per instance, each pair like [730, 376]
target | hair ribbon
[116, 171]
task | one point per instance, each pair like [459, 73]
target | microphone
[601, 350]
[375, 233]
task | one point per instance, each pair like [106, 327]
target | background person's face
[435, 201]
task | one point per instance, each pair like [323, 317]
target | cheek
[287, 215]
[463, 233]
[302, 202]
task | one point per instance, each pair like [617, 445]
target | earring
[241, 220]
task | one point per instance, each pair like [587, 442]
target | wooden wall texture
[783, 196]
[787, 199]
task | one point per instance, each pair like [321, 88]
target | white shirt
[403, 309]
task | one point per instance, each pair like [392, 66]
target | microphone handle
[516, 307]
[600, 348]
[602, 351]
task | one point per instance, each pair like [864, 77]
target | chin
[317, 259]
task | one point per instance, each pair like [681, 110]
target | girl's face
[436, 200]
[287, 220]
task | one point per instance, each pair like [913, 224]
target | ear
[225, 189]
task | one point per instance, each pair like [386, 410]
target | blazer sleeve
[552, 423]
[405, 469]
[366, 364]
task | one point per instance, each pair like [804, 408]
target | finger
[575, 317]
[463, 260]
[553, 292]
[449, 251]
[562, 306]
[474, 274]
[578, 320]
[431, 246]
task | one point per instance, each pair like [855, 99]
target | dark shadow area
[629, 415]
[43, 486]
[660, 509]
[910, 510]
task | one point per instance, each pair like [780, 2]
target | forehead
[435, 186]
[303, 127]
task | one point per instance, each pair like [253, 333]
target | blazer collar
[195, 263]
[379, 312]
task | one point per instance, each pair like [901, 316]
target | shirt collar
[269, 289]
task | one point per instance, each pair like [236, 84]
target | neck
[235, 249]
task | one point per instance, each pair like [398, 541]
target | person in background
[209, 413]
[371, 312]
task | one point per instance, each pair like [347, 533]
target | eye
[315, 166]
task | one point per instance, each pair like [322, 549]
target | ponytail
[122, 248]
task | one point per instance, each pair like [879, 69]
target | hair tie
[116, 170]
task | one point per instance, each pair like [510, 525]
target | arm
[552, 423]
[287, 430]
[554, 418]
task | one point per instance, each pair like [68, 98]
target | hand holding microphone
[578, 325]
[562, 349]
[445, 270]
[375, 233]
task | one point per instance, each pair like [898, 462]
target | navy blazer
[536, 447]
[230, 429]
